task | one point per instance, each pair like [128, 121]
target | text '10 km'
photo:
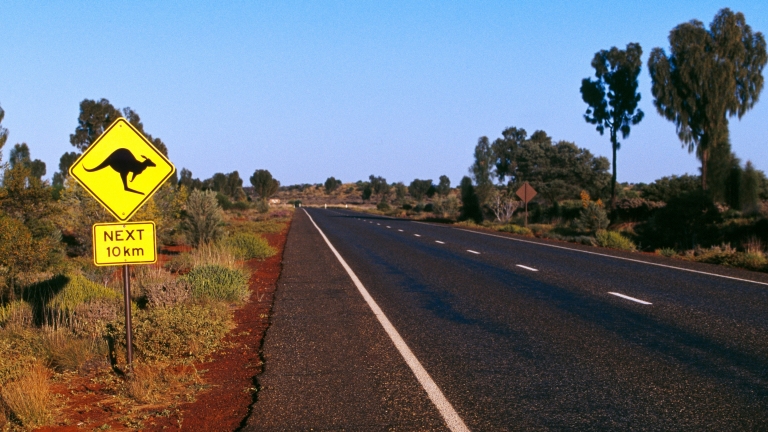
[124, 243]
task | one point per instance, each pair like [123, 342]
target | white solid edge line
[617, 257]
[474, 252]
[630, 298]
[451, 417]
[527, 268]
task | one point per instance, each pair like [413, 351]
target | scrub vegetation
[62, 318]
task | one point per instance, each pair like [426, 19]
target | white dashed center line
[527, 268]
[400, 230]
[474, 252]
[630, 298]
[389, 226]
[378, 224]
[438, 241]
[417, 235]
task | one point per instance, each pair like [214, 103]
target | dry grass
[213, 254]
[157, 382]
[28, 398]
[67, 353]
[754, 246]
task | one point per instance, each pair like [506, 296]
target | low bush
[63, 352]
[29, 397]
[180, 263]
[216, 282]
[613, 240]
[516, 229]
[383, 206]
[213, 254]
[666, 252]
[203, 218]
[245, 246]
[593, 218]
[78, 290]
[177, 334]
[16, 313]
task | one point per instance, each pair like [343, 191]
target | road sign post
[122, 170]
[526, 193]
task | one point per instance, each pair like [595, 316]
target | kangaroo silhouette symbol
[123, 161]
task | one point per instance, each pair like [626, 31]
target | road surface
[515, 334]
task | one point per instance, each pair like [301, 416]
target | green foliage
[749, 193]
[180, 333]
[246, 246]
[19, 252]
[264, 185]
[180, 263]
[470, 204]
[419, 188]
[16, 312]
[593, 218]
[204, 217]
[444, 186]
[613, 240]
[217, 282]
[687, 220]
[709, 75]
[77, 290]
[383, 206]
[616, 108]
[379, 186]
[331, 184]
[668, 188]
[20, 156]
[516, 229]
[96, 116]
[446, 206]
[666, 252]
[3, 132]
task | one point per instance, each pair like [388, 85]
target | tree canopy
[331, 184]
[444, 186]
[419, 188]
[20, 156]
[263, 183]
[96, 116]
[612, 97]
[3, 132]
[710, 75]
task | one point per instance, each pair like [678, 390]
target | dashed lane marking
[613, 256]
[417, 235]
[451, 417]
[474, 252]
[630, 298]
[438, 241]
[526, 267]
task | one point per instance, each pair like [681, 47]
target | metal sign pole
[127, 295]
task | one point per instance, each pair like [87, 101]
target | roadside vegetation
[62, 318]
[710, 74]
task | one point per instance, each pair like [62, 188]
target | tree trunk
[613, 179]
[704, 160]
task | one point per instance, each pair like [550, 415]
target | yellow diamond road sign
[122, 169]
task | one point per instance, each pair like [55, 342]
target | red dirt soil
[230, 374]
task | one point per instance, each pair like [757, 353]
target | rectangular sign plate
[124, 243]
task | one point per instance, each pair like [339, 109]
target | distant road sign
[526, 192]
[124, 243]
[122, 169]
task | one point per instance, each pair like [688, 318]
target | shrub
[78, 290]
[217, 282]
[613, 240]
[213, 254]
[90, 319]
[17, 312]
[666, 252]
[162, 289]
[63, 352]
[29, 398]
[179, 333]
[687, 220]
[204, 217]
[383, 206]
[246, 246]
[593, 218]
[262, 206]
[180, 263]
[516, 229]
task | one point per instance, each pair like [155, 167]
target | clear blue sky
[344, 89]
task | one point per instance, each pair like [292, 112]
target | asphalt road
[517, 335]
